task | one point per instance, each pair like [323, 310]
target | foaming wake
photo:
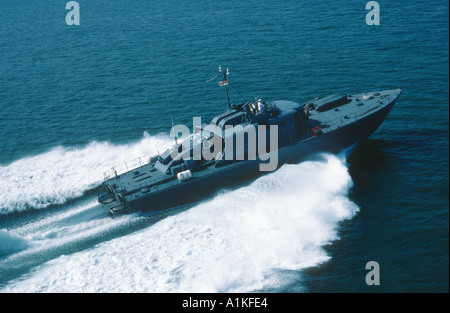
[65, 232]
[65, 173]
[10, 243]
[240, 241]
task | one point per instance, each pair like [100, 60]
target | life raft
[317, 131]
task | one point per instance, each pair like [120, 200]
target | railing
[128, 166]
[133, 164]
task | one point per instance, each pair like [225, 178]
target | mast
[225, 75]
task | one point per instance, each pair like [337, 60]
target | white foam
[68, 230]
[10, 242]
[65, 173]
[237, 242]
[82, 221]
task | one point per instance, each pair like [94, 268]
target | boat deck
[358, 105]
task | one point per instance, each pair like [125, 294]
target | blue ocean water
[77, 100]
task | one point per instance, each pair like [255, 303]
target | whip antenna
[168, 102]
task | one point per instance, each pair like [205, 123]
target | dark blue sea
[77, 100]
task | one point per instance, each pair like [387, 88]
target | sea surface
[77, 100]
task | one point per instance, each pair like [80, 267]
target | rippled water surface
[77, 100]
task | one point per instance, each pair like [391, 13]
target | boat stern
[112, 201]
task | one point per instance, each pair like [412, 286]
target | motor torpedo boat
[249, 139]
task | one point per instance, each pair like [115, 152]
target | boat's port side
[181, 175]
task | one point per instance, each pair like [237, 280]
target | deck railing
[128, 166]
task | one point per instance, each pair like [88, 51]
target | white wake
[240, 241]
[65, 173]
